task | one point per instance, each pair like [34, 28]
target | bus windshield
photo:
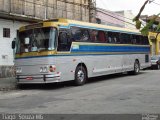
[36, 40]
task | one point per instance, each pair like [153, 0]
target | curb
[8, 88]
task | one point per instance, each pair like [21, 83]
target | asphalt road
[116, 94]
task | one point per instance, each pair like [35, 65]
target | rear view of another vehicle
[155, 61]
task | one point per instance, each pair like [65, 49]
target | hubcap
[80, 75]
[158, 66]
[136, 67]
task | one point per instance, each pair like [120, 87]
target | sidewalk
[7, 84]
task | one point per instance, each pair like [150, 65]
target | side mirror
[13, 44]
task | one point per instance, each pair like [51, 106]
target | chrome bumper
[37, 79]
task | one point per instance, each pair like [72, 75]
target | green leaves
[138, 24]
[145, 30]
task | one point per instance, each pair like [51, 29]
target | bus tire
[136, 68]
[80, 75]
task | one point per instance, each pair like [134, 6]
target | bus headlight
[44, 69]
[18, 70]
[41, 69]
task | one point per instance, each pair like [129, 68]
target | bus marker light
[52, 68]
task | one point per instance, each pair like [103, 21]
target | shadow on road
[62, 85]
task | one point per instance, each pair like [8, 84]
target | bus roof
[67, 23]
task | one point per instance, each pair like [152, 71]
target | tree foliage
[145, 29]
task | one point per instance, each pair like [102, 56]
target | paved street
[109, 94]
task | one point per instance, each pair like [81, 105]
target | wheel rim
[136, 67]
[158, 66]
[80, 75]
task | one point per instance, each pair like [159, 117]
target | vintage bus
[61, 50]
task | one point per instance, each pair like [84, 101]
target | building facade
[110, 18]
[119, 18]
[16, 13]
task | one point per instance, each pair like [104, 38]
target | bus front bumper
[37, 79]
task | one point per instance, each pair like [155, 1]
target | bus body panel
[97, 65]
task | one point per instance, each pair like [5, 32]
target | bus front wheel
[80, 75]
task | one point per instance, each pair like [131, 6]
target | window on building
[6, 32]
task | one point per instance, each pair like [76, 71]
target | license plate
[29, 78]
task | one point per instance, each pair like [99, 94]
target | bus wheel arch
[81, 74]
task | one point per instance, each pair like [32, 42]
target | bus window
[93, 35]
[139, 40]
[101, 36]
[144, 40]
[113, 37]
[116, 38]
[85, 35]
[80, 34]
[125, 38]
[106, 34]
[110, 37]
[64, 41]
[133, 41]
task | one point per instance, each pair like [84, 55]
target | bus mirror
[27, 41]
[13, 44]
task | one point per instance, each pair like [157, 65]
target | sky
[134, 5]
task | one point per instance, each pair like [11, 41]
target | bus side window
[139, 40]
[85, 35]
[76, 33]
[116, 38]
[109, 37]
[134, 39]
[106, 34]
[93, 35]
[146, 41]
[101, 36]
[80, 34]
[64, 41]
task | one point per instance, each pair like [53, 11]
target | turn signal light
[52, 68]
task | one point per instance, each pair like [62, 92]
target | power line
[155, 3]
[121, 15]
[116, 18]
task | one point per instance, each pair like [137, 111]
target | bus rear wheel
[80, 76]
[136, 68]
[158, 66]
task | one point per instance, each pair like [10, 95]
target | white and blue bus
[61, 50]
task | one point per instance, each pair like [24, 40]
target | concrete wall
[6, 53]
[48, 9]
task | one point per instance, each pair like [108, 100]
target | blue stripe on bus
[85, 48]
